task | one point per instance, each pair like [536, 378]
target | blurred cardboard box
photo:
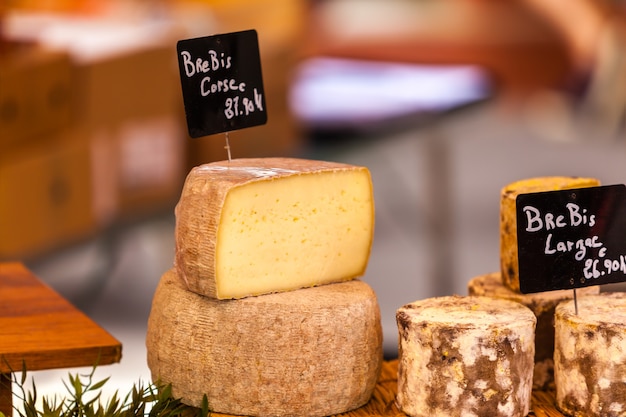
[133, 84]
[138, 167]
[128, 107]
[126, 97]
[36, 93]
[45, 195]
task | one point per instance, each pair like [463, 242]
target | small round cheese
[465, 356]
[590, 356]
[311, 352]
[542, 304]
[509, 266]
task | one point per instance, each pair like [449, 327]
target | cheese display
[542, 305]
[590, 356]
[255, 226]
[508, 224]
[311, 352]
[465, 356]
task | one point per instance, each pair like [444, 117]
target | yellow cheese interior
[539, 184]
[291, 232]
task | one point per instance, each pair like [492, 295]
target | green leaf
[166, 392]
[155, 397]
[99, 384]
[205, 406]
[23, 380]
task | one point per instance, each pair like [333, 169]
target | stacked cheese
[543, 306]
[590, 356]
[262, 313]
[256, 226]
[505, 284]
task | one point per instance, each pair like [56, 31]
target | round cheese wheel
[508, 218]
[542, 304]
[314, 352]
[465, 356]
[590, 356]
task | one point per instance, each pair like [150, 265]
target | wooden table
[42, 330]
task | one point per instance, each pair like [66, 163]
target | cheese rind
[465, 356]
[509, 266]
[590, 356]
[256, 226]
[314, 352]
[542, 304]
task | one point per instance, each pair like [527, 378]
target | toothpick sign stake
[227, 146]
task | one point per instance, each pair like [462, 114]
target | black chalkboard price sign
[221, 82]
[571, 238]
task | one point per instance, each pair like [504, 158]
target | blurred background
[446, 101]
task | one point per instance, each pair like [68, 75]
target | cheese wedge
[509, 266]
[465, 356]
[312, 352]
[256, 226]
[543, 305]
[590, 356]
